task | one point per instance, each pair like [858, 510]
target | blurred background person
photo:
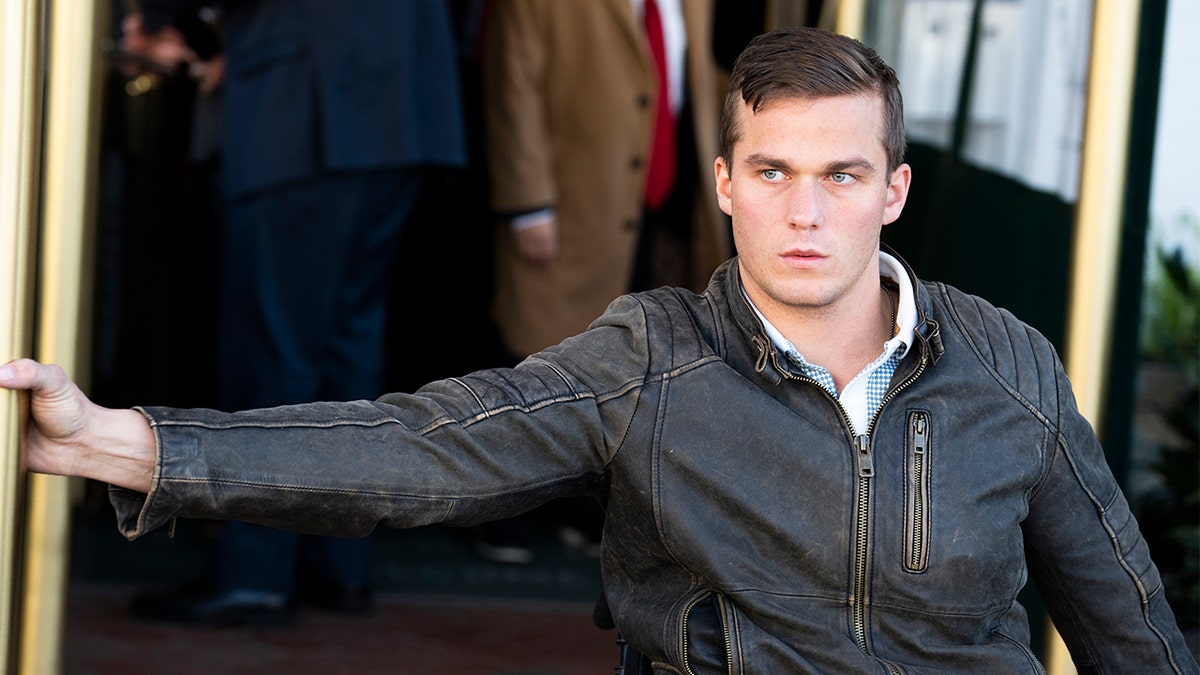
[601, 127]
[593, 200]
[333, 114]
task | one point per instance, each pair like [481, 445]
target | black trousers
[305, 289]
[302, 318]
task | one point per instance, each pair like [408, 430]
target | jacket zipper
[866, 470]
[723, 614]
[916, 520]
[726, 619]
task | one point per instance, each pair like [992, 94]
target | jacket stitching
[955, 314]
[637, 406]
[1103, 513]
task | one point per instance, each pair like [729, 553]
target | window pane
[1025, 118]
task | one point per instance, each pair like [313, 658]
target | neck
[843, 338]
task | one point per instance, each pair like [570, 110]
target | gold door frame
[21, 23]
[48, 170]
[70, 168]
[1096, 251]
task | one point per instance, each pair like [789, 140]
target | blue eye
[840, 178]
[772, 174]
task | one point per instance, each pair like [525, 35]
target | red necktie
[660, 175]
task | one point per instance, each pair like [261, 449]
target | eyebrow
[859, 164]
[759, 159]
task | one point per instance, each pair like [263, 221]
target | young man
[878, 512]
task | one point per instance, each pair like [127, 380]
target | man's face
[808, 190]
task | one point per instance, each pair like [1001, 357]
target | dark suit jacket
[315, 86]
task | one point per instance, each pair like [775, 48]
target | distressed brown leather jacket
[747, 530]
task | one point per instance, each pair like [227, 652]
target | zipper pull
[761, 345]
[920, 437]
[764, 359]
[866, 463]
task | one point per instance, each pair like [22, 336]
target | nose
[805, 204]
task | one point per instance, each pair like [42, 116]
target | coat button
[643, 101]
[636, 162]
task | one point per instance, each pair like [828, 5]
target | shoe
[338, 598]
[581, 526]
[579, 539]
[200, 607]
[502, 541]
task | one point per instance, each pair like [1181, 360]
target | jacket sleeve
[1083, 547]
[459, 451]
[1091, 563]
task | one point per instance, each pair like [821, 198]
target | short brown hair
[811, 63]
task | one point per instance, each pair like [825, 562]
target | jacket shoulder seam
[977, 349]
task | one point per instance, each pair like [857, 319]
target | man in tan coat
[571, 90]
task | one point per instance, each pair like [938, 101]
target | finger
[18, 374]
[29, 374]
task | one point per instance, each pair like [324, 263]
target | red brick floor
[405, 634]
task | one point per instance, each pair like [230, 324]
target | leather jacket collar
[928, 344]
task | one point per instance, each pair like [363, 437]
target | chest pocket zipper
[916, 492]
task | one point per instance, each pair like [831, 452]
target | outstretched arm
[71, 436]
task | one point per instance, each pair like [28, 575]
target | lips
[802, 257]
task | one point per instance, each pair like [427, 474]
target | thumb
[29, 374]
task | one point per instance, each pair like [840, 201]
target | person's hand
[167, 48]
[538, 243]
[208, 74]
[59, 413]
[71, 436]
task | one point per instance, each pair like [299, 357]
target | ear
[897, 193]
[724, 186]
